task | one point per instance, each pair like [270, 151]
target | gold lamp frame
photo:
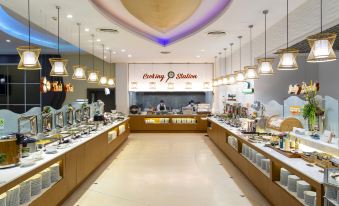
[79, 69]
[292, 53]
[53, 62]
[36, 51]
[90, 75]
[263, 62]
[251, 73]
[330, 38]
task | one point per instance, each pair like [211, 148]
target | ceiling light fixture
[188, 85]
[240, 77]
[251, 72]
[225, 78]
[231, 77]
[265, 64]
[58, 64]
[86, 29]
[8, 40]
[29, 55]
[79, 70]
[129, 56]
[288, 56]
[110, 81]
[103, 78]
[69, 16]
[93, 76]
[152, 85]
[123, 50]
[321, 44]
[170, 85]
[220, 78]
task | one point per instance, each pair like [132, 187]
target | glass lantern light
[321, 47]
[251, 73]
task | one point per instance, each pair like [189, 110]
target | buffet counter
[236, 146]
[168, 123]
[75, 162]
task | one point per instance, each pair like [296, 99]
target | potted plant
[311, 110]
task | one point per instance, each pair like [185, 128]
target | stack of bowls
[13, 196]
[258, 158]
[254, 155]
[55, 172]
[45, 178]
[243, 149]
[265, 165]
[310, 198]
[284, 173]
[36, 184]
[302, 186]
[250, 153]
[292, 183]
[25, 191]
[3, 199]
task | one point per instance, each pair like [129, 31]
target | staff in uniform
[161, 106]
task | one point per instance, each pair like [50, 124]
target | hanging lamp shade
[251, 73]
[206, 85]
[152, 85]
[225, 80]
[288, 59]
[103, 79]
[219, 81]
[215, 82]
[58, 64]
[93, 76]
[170, 85]
[134, 85]
[321, 47]
[265, 66]
[231, 79]
[111, 82]
[239, 75]
[29, 58]
[79, 71]
[29, 55]
[188, 85]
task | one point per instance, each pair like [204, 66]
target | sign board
[170, 77]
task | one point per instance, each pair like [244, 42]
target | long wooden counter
[151, 123]
[76, 163]
[268, 184]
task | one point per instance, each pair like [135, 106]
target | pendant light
[29, 55]
[220, 78]
[240, 77]
[134, 84]
[251, 72]
[215, 81]
[231, 77]
[265, 64]
[110, 81]
[321, 44]
[103, 78]
[225, 78]
[58, 64]
[288, 56]
[93, 76]
[79, 72]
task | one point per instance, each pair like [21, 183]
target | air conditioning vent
[107, 30]
[165, 52]
[216, 33]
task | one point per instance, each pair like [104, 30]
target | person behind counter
[161, 106]
[191, 104]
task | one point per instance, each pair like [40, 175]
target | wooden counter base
[266, 184]
[76, 165]
[138, 124]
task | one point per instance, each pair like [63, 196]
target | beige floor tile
[167, 169]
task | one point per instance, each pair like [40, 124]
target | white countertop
[10, 174]
[296, 163]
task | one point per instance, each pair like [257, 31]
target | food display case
[281, 124]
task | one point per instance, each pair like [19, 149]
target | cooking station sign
[170, 75]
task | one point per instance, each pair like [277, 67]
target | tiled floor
[167, 170]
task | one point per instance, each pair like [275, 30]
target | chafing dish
[47, 122]
[59, 120]
[28, 125]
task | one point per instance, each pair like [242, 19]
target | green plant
[46, 109]
[2, 157]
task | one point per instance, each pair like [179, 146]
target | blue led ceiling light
[17, 29]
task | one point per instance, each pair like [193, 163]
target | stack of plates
[250, 152]
[254, 155]
[292, 183]
[310, 198]
[246, 152]
[3, 199]
[258, 158]
[265, 165]
[331, 193]
[55, 172]
[13, 196]
[36, 184]
[45, 178]
[25, 191]
[302, 186]
[284, 173]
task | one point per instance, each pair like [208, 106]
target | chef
[161, 106]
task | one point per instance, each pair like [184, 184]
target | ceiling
[196, 47]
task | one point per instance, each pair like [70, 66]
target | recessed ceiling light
[107, 48]
[69, 16]
[198, 56]
[114, 52]
[98, 40]
[202, 50]
[105, 57]
[123, 50]
[129, 56]
[87, 29]
[8, 40]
